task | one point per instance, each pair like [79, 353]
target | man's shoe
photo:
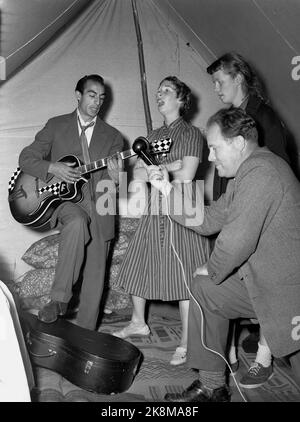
[256, 376]
[179, 356]
[133, 329]
[51, 311]
[197, 393]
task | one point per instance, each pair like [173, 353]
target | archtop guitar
[32, 201]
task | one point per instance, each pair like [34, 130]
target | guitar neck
[102, 162]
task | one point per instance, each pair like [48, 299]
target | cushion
[37, 303]
[116, 300]
[26, 302]
[128, 225]
[37, 282]
[43, 253]
[35, 287]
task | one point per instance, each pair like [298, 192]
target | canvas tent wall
[101, 39]
[266, 32]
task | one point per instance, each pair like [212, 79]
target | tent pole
[142, 67]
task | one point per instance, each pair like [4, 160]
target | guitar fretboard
[102, 162]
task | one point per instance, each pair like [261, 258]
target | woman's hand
[201, 271]
[174, 166]
[187, 171]
[139, 171]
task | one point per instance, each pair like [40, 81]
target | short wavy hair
[233, 63]
[183, 93]
[234, 122]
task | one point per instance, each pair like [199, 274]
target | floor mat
[156, 376]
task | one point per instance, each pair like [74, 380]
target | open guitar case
[94, 361]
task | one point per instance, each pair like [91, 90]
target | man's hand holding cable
[159, 178]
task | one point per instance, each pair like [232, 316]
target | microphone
[141, 148]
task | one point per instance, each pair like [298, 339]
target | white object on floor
[16, 377]
[179, 356]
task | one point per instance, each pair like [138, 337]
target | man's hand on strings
[114, 166]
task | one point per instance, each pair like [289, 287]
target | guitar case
[94, 361]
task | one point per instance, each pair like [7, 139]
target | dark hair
[234, 122]
[183, 93]
[234, 63]
[82, 82]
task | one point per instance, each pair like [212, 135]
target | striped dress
[150, 268]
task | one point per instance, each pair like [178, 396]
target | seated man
[253, 271]
[85, 232]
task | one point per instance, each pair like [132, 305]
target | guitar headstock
[160, 146]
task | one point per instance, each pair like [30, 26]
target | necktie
[85, 153]
[83, 141]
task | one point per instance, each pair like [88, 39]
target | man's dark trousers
[219, 304]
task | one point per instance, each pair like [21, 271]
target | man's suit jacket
[258, 218]
[60, 137]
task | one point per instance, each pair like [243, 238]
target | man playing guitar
[85, 235]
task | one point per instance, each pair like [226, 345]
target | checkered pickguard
[54, 188]
[12, 180]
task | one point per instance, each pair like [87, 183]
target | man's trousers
[81, 245]
[210, 325]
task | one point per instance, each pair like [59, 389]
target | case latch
[88, 366]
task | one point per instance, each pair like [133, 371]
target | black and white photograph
[149, 204]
